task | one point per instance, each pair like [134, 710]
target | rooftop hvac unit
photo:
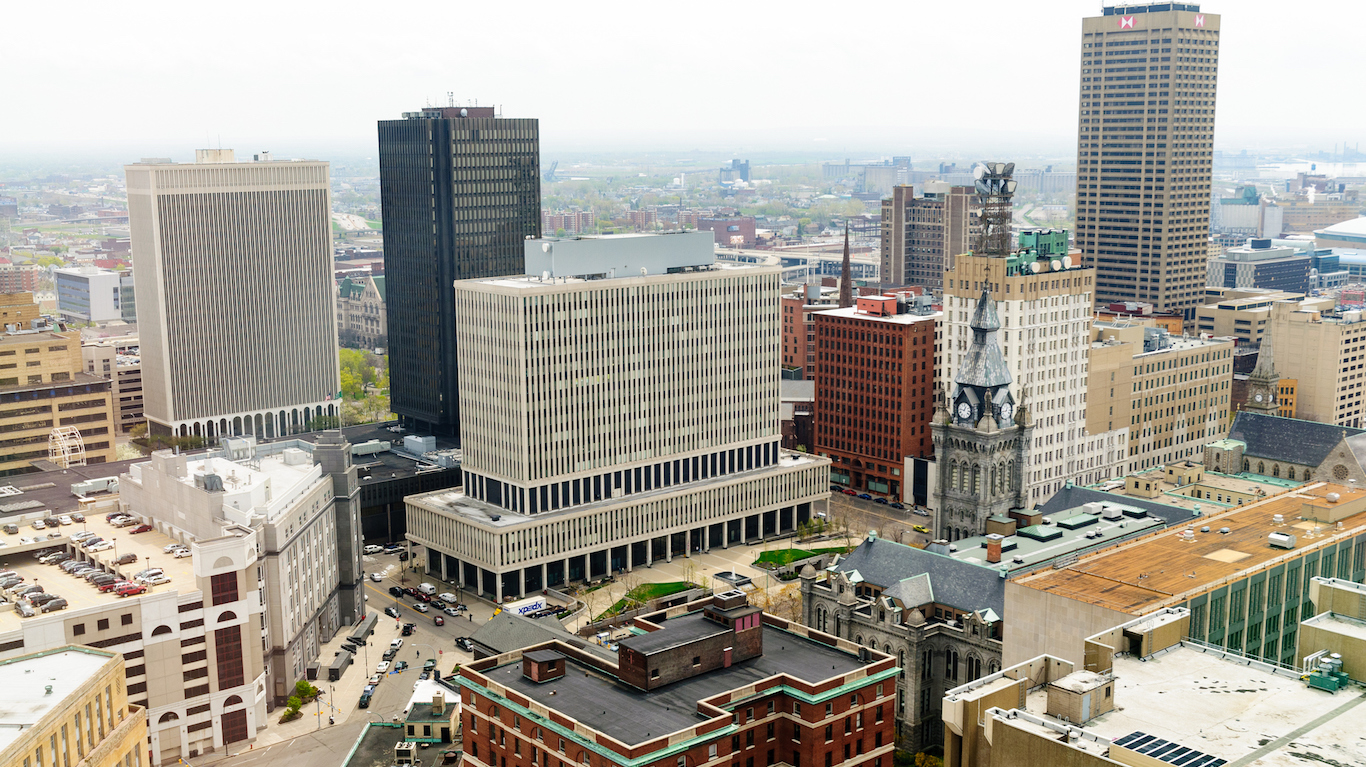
[1111, 512]
[1281, 540]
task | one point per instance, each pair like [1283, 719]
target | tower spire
[846, 284]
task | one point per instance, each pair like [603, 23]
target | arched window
[1246, 465]
[228, 615]
[162, 629]
[232, 700]
[1307, 475]
[583, 757]
[993, 480]
[903, 664]
[1291, 474]
[977, 480]
[859, 640]
[169, 716]
[1261, 467]
[1276, 470]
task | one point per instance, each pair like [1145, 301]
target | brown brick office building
[714, 683]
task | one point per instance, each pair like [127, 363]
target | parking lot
[147, 546]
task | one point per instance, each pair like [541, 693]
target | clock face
[964, 410]
[1259, 398]
[1006, 411]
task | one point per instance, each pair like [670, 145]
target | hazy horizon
[999, 79]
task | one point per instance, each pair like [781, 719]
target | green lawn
[772, 560]
[643, 593]
[373, 224]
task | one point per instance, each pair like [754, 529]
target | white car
[101, 546]
[451, 611]
[376, 679]
[82, 535]
[396, 644]
[420, 607]
[168, 548]
[23, 541]
[382, 667]
[154, 580]
[373, 549]
[64, 519]
[376, 577]
[39, 524]
[447, 597]
[181, 553]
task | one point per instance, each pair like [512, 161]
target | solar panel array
[1167, 751]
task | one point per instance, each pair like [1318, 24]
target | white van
[396, 644]
[427, 589]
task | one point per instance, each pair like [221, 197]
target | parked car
[82, 535]
[451, 611]
[103, 578]
[11, 529]
[113, 585]
[25, 541]
[391, 611]
[395, 591]
[78, 517]
[24, 609]
[38, 600]
[437, 604]
[382, 667]
[112, 515]
[126, 559]
[55, 605]
[424, 675]
[64, 519]
[168, 548]
[102, 546]
[376, 679]
[396, 644]
[364, 701]
[155, 580]
[125, 522]
[38, 524]
[836, 488]
[880, 500]
[149, 571]
[850, 492]
[390, 653]
[420, 607]
[438, 620]
[373, 549]
[401, 665]
[131, 590]
[465, 644]
[408, 629]
[897, 505]
[181, 553]
[91, 541]
[140, 529]
[865, 496]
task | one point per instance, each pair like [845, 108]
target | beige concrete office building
[1144, 152]
[191, 647]
[1325, 351]
[1045, 339]
[120, 361]
[1244, 313]
[1172, 392]
[610, 421]
[923, 233]
[236, 299]
[68, 706]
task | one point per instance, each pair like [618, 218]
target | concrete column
[668, 547]
[566, 573]
[706, 539]
[545, 584]
[649, 552]
[725, 534]
[628, 556]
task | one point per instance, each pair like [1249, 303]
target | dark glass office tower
[460, 189]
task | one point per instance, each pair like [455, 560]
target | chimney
[438, 704]
[994, 547]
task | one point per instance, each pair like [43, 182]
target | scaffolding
[994, 186]
[65, 447]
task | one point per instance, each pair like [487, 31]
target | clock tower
[1264, 382]
[981, 436]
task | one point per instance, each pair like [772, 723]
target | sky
[133, 79]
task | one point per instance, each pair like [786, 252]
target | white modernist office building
[611, 420]
[236, 298]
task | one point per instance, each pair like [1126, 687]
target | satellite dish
[1056, 265]
[1067, 262]
[545, 247]
[1009, 168]
[464, 112]
[1034, 267]
[979, 170]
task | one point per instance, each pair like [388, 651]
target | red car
[130, 589]
[140, 529]
[851, 492]
[112, 585]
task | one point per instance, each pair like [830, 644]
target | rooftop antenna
[450, 98]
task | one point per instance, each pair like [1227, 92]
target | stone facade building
[939, 617]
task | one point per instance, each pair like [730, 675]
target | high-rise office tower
[1144, 152]
[233, 269]
[460, 189]
[923, 233]
[622, 408]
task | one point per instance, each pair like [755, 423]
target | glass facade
[459, 195]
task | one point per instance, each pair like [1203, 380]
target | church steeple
[982, 381]
[1264, 382]
[846, 277]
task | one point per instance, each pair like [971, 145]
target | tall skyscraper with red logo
[1149, 74]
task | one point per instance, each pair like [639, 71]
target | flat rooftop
[1180, 496]
[534, 283]
[455, 502]
[895, 319]
[23, 697]
[1045, 543]
[80, 594]
[1140, 576]
[1228, 710]
[391, 464]
[634, 716]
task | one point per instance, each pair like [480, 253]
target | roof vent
[47, 689]
[1224, 531]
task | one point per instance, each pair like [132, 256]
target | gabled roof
[379, 286]
[506, 632]
[1289, 440]
[961, 585]
[1072, 497]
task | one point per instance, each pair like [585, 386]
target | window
[829, 732]
[796, 708]
[78, 629]
[749, 738]
[224, 588]
[228, 648]
[770, 708]
[126, 619]
[768, 733]
[829, 709]
[102, 624]
[654, 673]
[749, 714]
[696, 660]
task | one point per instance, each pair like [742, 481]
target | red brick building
[799, 307]
[730, 232]
[875, 390]
[715, 682]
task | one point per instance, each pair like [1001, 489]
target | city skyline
[222, 99]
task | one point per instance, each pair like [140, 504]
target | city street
[892, 524]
